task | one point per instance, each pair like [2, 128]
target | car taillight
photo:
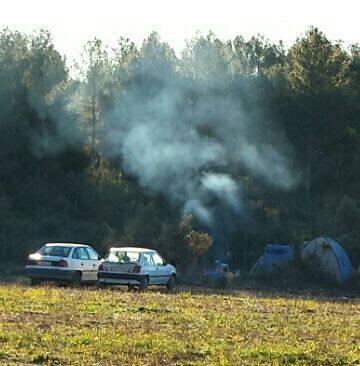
[101, 267]
[61, 263]
[136, 269]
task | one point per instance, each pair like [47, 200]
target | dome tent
[333, 258]
[273, 257]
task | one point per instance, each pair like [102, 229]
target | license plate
[122, 268]
[44, 263]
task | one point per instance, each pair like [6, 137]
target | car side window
[92, 254]
[75, 254]
[147, 259]
[158, 261]
[81, 253]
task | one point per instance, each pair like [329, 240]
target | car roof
[66, 245]
[132, 249]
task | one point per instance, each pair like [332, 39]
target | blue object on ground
[273, 257]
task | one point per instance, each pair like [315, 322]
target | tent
[273, 257]
[333, 258]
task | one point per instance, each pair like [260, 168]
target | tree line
[64, 176]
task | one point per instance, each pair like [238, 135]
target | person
[126, 259]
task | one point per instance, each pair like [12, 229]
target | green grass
[63, 326]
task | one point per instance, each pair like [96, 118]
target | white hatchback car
[136, 267]
[75, 263]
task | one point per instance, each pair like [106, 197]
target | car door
[81, 262]
[161, 271]
[93, 263]
[148, 267]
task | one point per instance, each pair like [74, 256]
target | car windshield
[120, 256]
[55, 251]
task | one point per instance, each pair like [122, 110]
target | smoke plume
[192, 149]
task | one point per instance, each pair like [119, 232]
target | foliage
[199, 242]
[62, 178]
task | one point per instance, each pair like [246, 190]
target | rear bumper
[120, 278]
[47, 273]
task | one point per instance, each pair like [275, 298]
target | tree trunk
[308, 172]
[93, 115]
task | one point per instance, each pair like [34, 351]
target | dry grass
[53, 325]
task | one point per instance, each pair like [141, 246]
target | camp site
[179, 183]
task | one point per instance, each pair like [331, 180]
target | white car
[75, 263]
[136, 267]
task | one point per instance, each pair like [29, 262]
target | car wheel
[131, 288]
[171, 283]
[144, 284]
[76, 279]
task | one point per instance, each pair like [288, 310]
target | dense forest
[212, 153]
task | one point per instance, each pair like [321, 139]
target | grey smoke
[225, 188]
[162, 142]
[196, 207]
[267, 162]
[59, 130]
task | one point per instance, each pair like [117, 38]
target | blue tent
[273, 257]
[333, 259]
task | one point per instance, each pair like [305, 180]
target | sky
[73, 22]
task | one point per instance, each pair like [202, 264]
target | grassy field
[88, 326]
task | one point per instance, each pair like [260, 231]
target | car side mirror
[165, 263]
[99, 257]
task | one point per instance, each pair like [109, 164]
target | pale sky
[73, 22]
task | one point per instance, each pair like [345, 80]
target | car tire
[171, 283]
[131, 288]
[76, 280]
[144, 284]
